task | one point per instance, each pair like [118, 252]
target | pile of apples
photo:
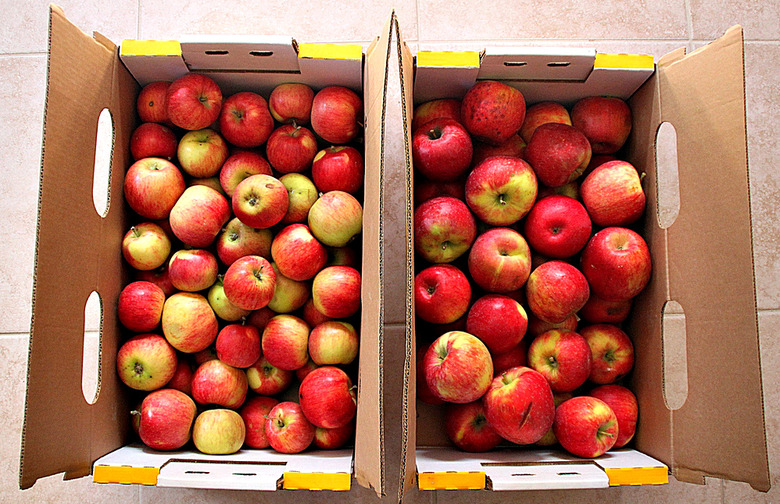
[528, 260]
[242, 318]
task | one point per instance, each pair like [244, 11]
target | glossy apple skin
[597, 310]
[585, 426]
[549, 438]
[442, 294]
[613, 194]
[153, 140]
[146, 362]
[159, 277]
[198, 216]
[338, 168]
[542, 113]
[616, 261]
[444, 229]
[188, 322]
[458, 367]
[287, 429]
[537, 326]
[291, 102]
[266, 379]
[249, 282]
[605, 121]
[285, 342]
[238, 240]
[444, 107]
[336, 218]
[500, 260]
[152, 104]
[238, 345]
[514, 357]
[166, 418]
[152, 186]
[563, 357]
[336, 114]
[193, 101]
[241, 165]
[327, 397]
[424, 392]
[333, 439]
[260, 201]
[336, 291]
[558, 153]
[623, 402]
[223, 308]
[146, 246]
[193, 270]
[140, 306]
[556, 290]
[557, 226]
[182, 377]
[612, 352]
[441, 149]
[468, 429]
[253, 412]
[215, 382]
[492, 111]
[201, 153]
[499, 321]
[245, 120]
[297, 253]
[501, 190]
[333, 342]
[301, 195]
[218, 432]
[291, 148]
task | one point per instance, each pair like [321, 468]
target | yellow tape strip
[126, 475]
[451, 480]
[638, 476]
[626, 61]
[151, 48]
[330, 51]
[317, 481]
[462, 59]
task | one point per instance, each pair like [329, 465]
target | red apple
[572, 190]
[238, 345]
[289, 295]
[424, 392]
[216, 382]
[514, 357]
[458, 367]
[188, 322]
[287, 429]
[193, 101]
[606, 121]
[427, 189]
[166, 418]
[291, 102]
[291, 148]
[623, 402]
[249, 282]
[301, 195]
[312, 315]
[193, 270]
[597, 160]
[537, 326]
[140, 305]
[617, 264]
[333, 439]
[260, 201]
[333, 343]
[158, 277]
[297, 254]
[222, 306]
[492, 111]
[343, 256]
[613, 194]
[598, 310]
[266, 379]
[336, 291]
[338, 168]
[327, 397]
[500, 260]
[559, 153]
[501, 190]
[201, 153]
[238, 240]
[153, 140]
[336, 218]
[563, 357]
[307, 368]
[212, 182]
[146, 246]
[556, 290]
[241, 165]
[514, 147]
[558, 226]
[245, 120]
[152, 105]
[468, 429]
[198, 216]
[612, 352]
[253, 412]
[499, 321]
[585, 426]
[182, 377]
[146, 362]
[543, 113]
[433, 109]
[441, 149]
[285, 342]
[444, 229]
[218, 431]
[442, 294]
[549, 438]
[259, 318]
[337, 114]
[152, 186]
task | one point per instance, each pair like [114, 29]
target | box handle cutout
[104, 154]
[515, 63]
[90, 357]
[667, 175]
[675, 355]
[261, 53]
[216, 52]
[554, 64]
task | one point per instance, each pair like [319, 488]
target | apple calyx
[237, 113]
[552, 361]
[502, 199]
[609, 356]
[479, 421]
[445, 244]
[138, 368]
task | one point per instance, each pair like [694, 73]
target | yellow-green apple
[336, 218]
[515, 356]
[146, 362]
[559, 153]
[307, 368]
[557, 226]
[563, 357]
[297, 253]
[301, 195]
[433, 109]
[291, 148]
[285, 342]
[442, 294]
[499, 321]
[245, 120]
[221, 305]
[140, 305]
[151, 104]
[182, 377]
[218, 383]
[500, 260]
[287, 429]
[259, 318]
[327, 397]
[146, 246]
[549, 438]
[153, 140]
[266, 379]
[312, 315]
[444, 229]
[260, 201]
[337, 114]
[291, 102]
[338, 168]
[598, 310]
[613, 194]
[336, 291]
[501, 190]
[240, 165]
[188, 322]
[218, 431]
[333, 343]
[585, 426]
[543, 113]
[519, 405]
[612, 352]
[537, 326]
[556, 290]
[492, 111]
[441, 149]
[165, 419]
[249, 282]
[238, 345]
[605, 121]
[152, 186]
[238, 240]
[571, 189]
[514, 147]
[253, 412]
[623, 402]
[159, 277]
[198, 216]
[458, 367]
[467, 427]
[193, 270]
[193, 101]
[617, 264]
[333, 439]
[428, 189]
[201, 153]
[289, 295]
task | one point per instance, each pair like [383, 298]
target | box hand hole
[104, 154]
[675, 355]
[667, 174]
[90, 358]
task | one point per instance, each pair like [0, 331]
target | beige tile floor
[651, 26]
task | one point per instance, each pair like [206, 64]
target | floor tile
[760, 20]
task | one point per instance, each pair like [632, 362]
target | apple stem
[135, 231]
[135, 412]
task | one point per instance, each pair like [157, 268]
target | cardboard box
[78, 253]
[703, 260]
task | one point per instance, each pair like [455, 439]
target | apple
[549, 438]
[238, 240]
[207, 354]
[537, 326]
[153, 140]
[146, 246]
[193, 101]
[221, 305]
[336, 218]
[188, 322]
[333, 343]
[287, 429]
[468, 429]
[514, 357]
[249, 282]
[297, 253]
[259, 318]
[241, 165]
[285, 342]
[558, 226]
[165, 419]
[218, 431]
[198, 216]
[312, 315]
[458, 367]
[563, 357]
[428, 189]
[291, 148]
[605, 121]
[245, 120]
[499, 321]
[291, 102]
[617, 264]
[238, 345]
[444, 229]
[201, 153]
[266, 379]
[514, 147]
[216, 382]
[556, 290]
[289, 295]
[442, 294]
[598, 310]
[571, 189]
[500, 260]
[501, 190]
[585, 426]
[152, 105]
[140, 306]
[253, 412]
[336, 291]
[492, 111]
[146, 362]
[613, 194]
[433, 109]
[543, 113]
[424, 392]
[338, 168]
[193, 270]
[307, 368]
[612, 352]
[337, 114]
[327, 397]
[182, 377]
[597, 160]
[623, 402]
[559, 153]
[333, 439]
[301, 195]
[152, 186]
[260, 201]
[519, 405]
[344, 256]
[441, 149]
[212, 182]
[158, 277]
